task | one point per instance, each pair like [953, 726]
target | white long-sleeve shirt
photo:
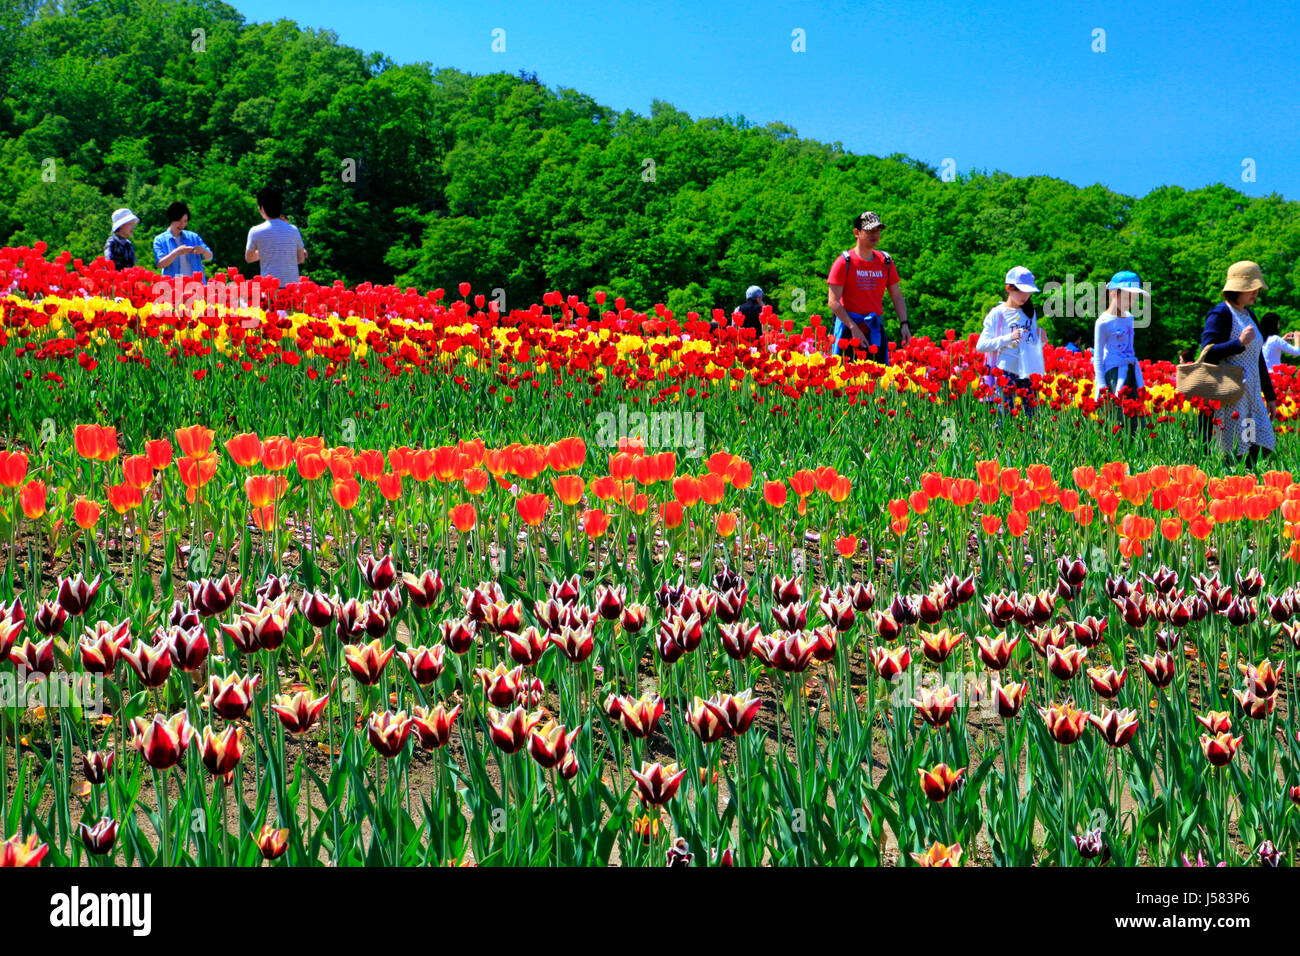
[1274, 346]
[1021, 359]
[1112, 347]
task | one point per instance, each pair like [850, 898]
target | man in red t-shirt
[857, 284]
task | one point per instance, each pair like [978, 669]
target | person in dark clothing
[752, 310]
[1231, 337]
[119, 249]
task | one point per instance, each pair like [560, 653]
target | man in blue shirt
[178, 251]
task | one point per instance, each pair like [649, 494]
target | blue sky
[1183, 94]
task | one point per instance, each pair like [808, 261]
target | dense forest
[428, 176]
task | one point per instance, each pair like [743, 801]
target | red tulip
[152, 663]
[272, 842]
[1117, 726]
[939, 855]
[735, 711]
[162, 742]
[640, 716]
[96, 765]
[890, 663]
[550, 745]
[1009, 697]
[231, 697]
[367, 661]
[432, 726]
[389, 732]
[935, 706]
[221, 752]
[100, 838]
[510, 730]
[938, 782]
[1220, 749]
[16, 852]
[657, 783]
[1064, 722]
[299, 712]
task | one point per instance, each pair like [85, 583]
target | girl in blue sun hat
[1013, 340]
[1115, 363]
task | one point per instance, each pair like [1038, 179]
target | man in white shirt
[275, 244]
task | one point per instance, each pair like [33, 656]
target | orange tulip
[726, 524]
[532, 508]
[803, 482]
[987, 471]
[346, 492]
[195, 441]
[463, 517]
[1171, 528]
[32, 498]
[369, 464]
[919, 502]
[420, 465]
[138, 471]
[622, 465]
[389, 485]
[774, 494]
[742, 475]
[197, 472]
[277, 453]
[475, 480]
[88, 441]
[310, 464]
[13, 468]
[840, 488]
[122, 498]
[159, 453]
[568, 488]
[594, 523]
[672, 514]
[846, 545]
[1199, 527]
[712, 488]
[992, 524]
[86, 513]
[1017, 523]
[687, 489]
[263, 490]
[264, 518]
[898, 508]
[1083, 515]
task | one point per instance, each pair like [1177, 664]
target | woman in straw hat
[1232, 337]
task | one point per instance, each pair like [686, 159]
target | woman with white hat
[1231, 337]
[1013, 340]
[119, 249]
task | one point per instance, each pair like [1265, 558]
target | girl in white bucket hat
[1013, 341]
[119, 249]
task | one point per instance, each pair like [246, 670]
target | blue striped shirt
[277, 244]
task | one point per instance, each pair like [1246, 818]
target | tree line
[427, 177]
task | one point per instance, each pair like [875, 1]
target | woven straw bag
[1211, 382]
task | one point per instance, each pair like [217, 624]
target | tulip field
[379, 576]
